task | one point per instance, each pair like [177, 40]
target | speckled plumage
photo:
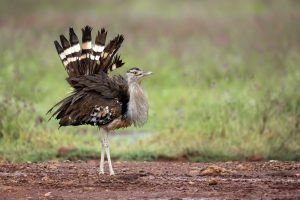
[91, 91]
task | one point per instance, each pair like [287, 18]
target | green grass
[225, 84]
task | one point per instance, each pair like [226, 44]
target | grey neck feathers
[137, 110]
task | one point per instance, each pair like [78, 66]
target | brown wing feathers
[90, 58]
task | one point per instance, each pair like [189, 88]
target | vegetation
[225, 84]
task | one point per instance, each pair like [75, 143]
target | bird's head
[136, 74]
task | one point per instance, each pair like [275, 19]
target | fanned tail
[89, 58]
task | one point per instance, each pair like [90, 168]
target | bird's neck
[137, 110]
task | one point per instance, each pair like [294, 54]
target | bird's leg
[106, 147]
[101, 169]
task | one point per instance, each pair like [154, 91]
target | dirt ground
[151, 180]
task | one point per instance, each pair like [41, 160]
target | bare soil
[151, 180]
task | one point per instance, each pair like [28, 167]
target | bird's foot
[100, 171]
[112, 173]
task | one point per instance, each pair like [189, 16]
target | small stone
[47, 194]
[86, 189]
[191, 183]
[45, 178]
[212, 182]
[213, 170]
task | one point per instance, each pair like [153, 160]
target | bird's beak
[147, 73]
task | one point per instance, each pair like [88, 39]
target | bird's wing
[96, 100]
[90, 109]
[89, 58]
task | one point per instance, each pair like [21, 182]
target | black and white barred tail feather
[109, 53]
[75, 50]
[89, 58]
[86, 51]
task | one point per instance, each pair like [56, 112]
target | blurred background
[225, 85]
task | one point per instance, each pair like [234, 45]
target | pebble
[47, 194]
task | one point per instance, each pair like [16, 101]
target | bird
[109, 102]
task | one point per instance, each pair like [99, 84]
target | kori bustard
[97, 99]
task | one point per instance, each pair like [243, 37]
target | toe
[112, 173]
